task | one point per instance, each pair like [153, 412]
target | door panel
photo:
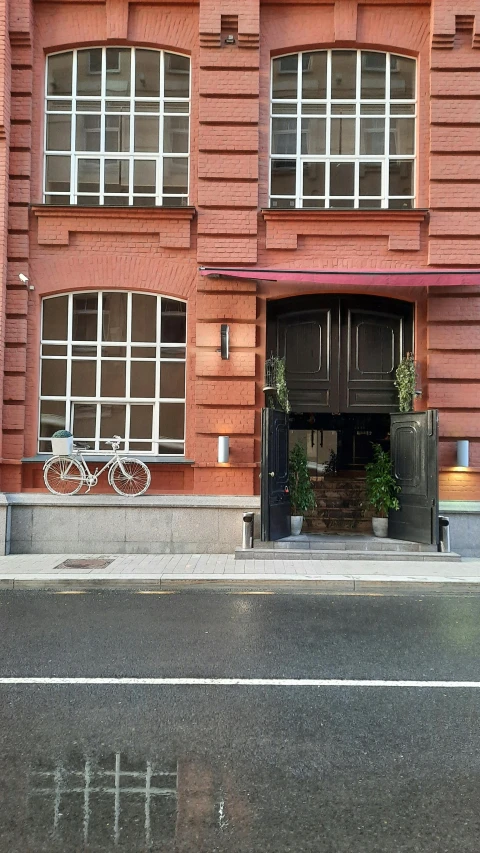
[341, 351]
[413, 446]
[275, 500]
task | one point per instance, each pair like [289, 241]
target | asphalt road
[203, 768]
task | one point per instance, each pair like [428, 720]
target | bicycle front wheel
[133, 480]
[63, 476]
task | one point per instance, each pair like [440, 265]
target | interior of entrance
[338, 447]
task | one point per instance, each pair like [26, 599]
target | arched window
[117, 127]
[343, 130]
[113, 363]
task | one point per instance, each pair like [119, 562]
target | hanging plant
[275, 382]
[405, 382]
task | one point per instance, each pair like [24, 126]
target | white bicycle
[65, 475]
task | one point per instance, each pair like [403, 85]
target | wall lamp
[23, 278]
[230, 39]
[225, 341]
[223, 449]
[463, 448]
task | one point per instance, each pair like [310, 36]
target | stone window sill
[90, 457]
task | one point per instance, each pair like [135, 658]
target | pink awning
[358, 278]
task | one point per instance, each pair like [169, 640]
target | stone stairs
[343, 547]
[341, 506]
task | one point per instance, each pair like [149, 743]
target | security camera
[23, 278]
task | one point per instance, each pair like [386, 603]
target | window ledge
[172, 225]
[90, 457]
[401, 227]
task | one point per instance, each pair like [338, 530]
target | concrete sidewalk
[167, 571]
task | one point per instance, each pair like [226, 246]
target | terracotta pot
[380, 527]
[296, 522]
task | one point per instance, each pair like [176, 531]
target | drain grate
[84, 564]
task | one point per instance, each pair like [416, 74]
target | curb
[334, 585]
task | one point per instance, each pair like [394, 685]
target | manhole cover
[84, 564]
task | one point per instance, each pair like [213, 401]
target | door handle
[271, 473]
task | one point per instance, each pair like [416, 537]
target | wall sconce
[230, 39]
[463, 447]
[223, 448]
[225, 341]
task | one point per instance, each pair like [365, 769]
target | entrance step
[332, 547]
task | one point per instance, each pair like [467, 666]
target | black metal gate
[275, 500]
[413, 445]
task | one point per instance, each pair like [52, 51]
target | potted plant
[62, 442]
[382, 489]
[302, 496]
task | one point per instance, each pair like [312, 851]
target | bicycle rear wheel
[63, 476]
[133, 480]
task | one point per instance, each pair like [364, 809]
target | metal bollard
[444, 534]
[247, 530]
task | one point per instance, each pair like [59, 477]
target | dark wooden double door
[341, 352]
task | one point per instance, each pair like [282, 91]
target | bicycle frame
[90, 479]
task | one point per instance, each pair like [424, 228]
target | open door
[413, 447]
[275, 500]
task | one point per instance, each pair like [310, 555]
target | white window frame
[70, 400]
[160, 108]
[291, 108]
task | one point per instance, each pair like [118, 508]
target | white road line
[244, 682]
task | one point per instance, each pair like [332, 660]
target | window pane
[54, 378]
[341, 179]
[114, 317]
[175, 134]
[84, 419]
[55, 312]
[84, 351]
[401, 177]
[283, 177]
[173, 322]
[57, 177]
[284, 136]
[313, 136]
[116, 176]
[118, 71]
[141, 419]
[88, 133]
[117, 133]
[83, 378]
[144, 318]
[144, 352]
[313, 202]
[88, 176]
[344, 73]
[314, 75]
[60, 74]
[373, 74]
[169, 448]
[89, 72]
[402, 136]
[172, 379]
[342, 202]
[402, 78]
[146, 133]
[59, 132]
[53, 349]
[142, 379]
[342, 138]
[113, 379]
[314, 179]
[112, 421]
[175, 175]
[172, 420]
[369, 203]
[85, 308]
[147, 73]
[177, 76]
[400, 203]
[52, 417]
[284, 76]
[370, 179]
[144, 172]
[372, 136]
[172, 352]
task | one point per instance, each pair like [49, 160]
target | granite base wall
[92, 525]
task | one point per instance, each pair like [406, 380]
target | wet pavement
[239, 769]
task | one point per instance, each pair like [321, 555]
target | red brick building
[335, 142]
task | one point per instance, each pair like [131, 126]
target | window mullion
[68, 388]
[328, 128]
[156, 404]
[131, 159]
[128, 349]
[386, 158]
[299, 169]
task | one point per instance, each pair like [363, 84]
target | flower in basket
[62, 433]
